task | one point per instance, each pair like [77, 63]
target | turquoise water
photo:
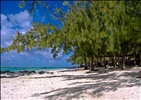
[16, 69]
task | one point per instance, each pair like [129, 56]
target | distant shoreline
[12, 74]
[17, 69]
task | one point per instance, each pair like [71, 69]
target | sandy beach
[73, 84]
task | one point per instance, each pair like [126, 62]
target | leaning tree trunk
[91, 64]
[85, 60]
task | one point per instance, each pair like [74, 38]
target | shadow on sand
[95, 87]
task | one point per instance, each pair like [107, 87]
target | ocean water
[16, 69]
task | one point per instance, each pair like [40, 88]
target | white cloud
[11, 23]
[9, 56]
[32, 58]
[44, 53]
[27, 54]
[7, 35]
[22, 19]
[4, 21]
[48, 55]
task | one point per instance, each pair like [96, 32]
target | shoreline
[17, 69]
[12, 74]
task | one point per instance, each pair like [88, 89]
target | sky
[15, 19]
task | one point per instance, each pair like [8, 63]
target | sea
[16, 69]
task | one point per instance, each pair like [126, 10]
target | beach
[73, 84]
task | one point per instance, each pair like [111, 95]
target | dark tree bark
[140, 58]
[91, 64]
[104, 62]
[134, 59]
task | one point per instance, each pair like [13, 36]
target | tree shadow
[45, 77]
[72, 70]
[97, 84]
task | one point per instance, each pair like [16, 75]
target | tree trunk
[113, 60]
[140, 58]
[104, 62]
[134, 59]
[85, 60]
[91, 64]
[118, 60]
[123, 62]
[96, 62]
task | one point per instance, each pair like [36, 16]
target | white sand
[73, 85]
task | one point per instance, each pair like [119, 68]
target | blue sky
[15, 19]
